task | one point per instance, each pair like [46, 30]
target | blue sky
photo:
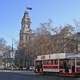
[11, 12]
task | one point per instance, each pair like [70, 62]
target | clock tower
[25, 31]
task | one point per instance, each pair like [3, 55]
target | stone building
[66, 44]
[25, 31]
[77, 39]
[23, 55]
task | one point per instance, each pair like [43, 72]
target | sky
[11, 12]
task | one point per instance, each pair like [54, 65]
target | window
[44, 62]
[56, 62]
[78, 62]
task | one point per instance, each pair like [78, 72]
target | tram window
[38, 62]
[61, 63]
[56, 61]
[78, 62]
[49, 62]
[44, 62]
[53, 62]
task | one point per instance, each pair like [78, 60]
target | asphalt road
[30, 76]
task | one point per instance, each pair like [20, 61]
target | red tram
[65, 64]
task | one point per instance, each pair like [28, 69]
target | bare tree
[66, 35]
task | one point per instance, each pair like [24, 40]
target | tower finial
[28, 8]
[26, 11]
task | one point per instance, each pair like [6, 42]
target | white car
[31, 68]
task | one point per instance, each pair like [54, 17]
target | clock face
[26, 22]
[27, 19]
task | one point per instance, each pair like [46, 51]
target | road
[22, 75]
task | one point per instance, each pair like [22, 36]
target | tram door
[38, 65]
[64, 65]
[73, 65]
[67, 65]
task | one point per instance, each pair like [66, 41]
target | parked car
[31, 68]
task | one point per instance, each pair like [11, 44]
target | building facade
[25, 31]
[22, 54]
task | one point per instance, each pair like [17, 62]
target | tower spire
[26, 13]
[25, 31]
[28, 8]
